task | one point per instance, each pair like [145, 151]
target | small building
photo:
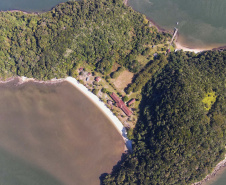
[168, 51]
[81, 69]
[87, 78]
[97, 79]
[109, 102]
[155, 55]
[89, 74]
[130, 102]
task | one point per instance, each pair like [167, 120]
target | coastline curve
[115, 121]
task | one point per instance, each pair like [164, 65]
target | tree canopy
[52, 44]
[177, 139]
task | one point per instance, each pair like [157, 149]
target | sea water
[219, 179]
[52, 134]
[29, 5]
[201, 23]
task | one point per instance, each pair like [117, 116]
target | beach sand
[184, 48]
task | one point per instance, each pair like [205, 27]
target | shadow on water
[115, 168]
[14, 170]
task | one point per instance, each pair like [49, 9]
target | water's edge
[101, 105]
[178, 44]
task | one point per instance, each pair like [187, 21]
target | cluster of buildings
[88, 74]
[121, 104]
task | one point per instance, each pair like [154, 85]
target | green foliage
[177, 141]
[146, 51]
[48, 45]
[117, 72]
[125, 98]
[104, 90]
[95, 91]
[209, 100]
[130, 134]
[145, 75]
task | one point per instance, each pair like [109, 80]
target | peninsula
[177, 120]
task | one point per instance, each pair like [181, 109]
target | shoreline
[179, 46]
[118, 125]
[220, 166]
[101, 105]
[162, 30]
[22, 11]
[185, 48]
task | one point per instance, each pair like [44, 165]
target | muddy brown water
[53, 134]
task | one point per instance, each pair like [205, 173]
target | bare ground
[123, 80]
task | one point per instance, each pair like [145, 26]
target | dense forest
[181, 131]
[146, 74]
[53, 44]
[181, 134]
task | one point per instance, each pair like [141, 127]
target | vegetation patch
[175, 141]
[55, 43]
[209, 100]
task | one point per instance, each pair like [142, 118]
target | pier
[174, 35]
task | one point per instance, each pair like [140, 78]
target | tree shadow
[142, 105]
[115, 168]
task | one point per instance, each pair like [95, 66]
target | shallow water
[29, 5]
[201, 22]
[54, 135]
[220, 178]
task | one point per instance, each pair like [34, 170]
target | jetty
[174, 35]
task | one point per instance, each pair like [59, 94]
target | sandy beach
[101, 105]
[184, 48]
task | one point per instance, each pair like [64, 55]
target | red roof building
[130, 102]
[97, 79]
[115, 97]
[81, 69]
[121, 104]
[126, 110]
[89, 74]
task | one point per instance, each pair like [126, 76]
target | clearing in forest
[123, 80]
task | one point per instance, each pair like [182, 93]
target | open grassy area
[123, 80]
[143, 60]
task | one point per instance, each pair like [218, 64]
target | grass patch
[142, 60]
[172, 48]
